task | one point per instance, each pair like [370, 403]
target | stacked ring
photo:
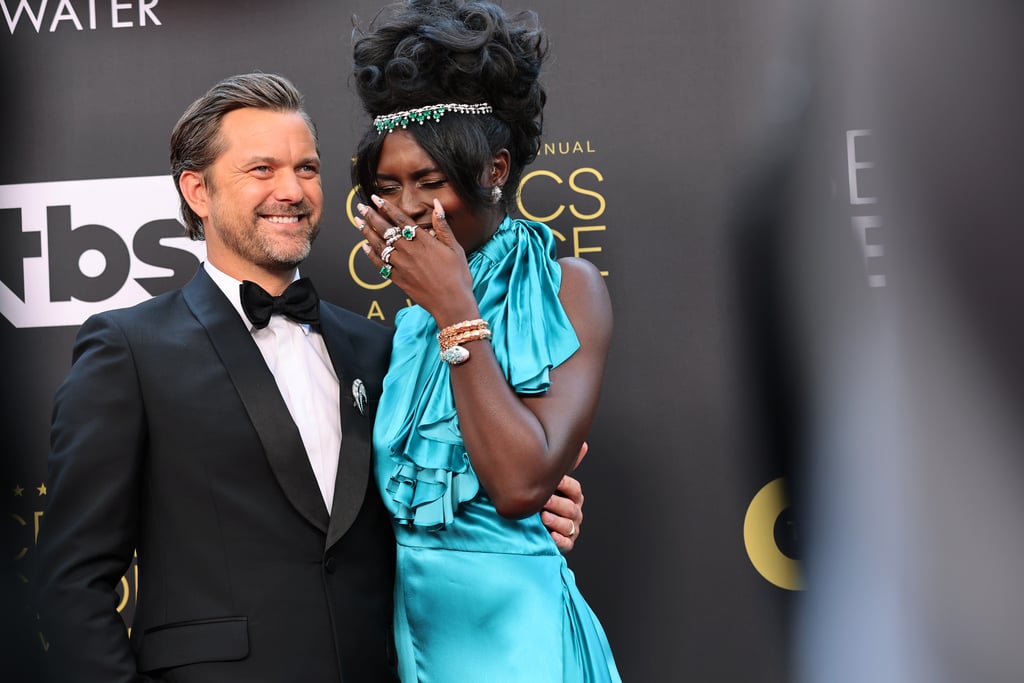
[409, 231]
[385, 255]
[385, 271]
[393, 231]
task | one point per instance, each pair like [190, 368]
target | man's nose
[288, 187]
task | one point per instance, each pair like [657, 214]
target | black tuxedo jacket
[170, 436]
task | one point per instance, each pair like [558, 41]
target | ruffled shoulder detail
[423, 469]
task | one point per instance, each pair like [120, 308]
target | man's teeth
[282, 219]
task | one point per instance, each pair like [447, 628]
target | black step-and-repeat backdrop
[688, 552]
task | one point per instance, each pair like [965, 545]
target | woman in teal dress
[496, 371]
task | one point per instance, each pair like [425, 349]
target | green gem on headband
[388, 122]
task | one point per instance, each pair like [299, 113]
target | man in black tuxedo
[222, 431]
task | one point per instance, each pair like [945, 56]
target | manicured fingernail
[362, 208]
[377, 200]
[360, 224]
[438, 209]
[366, 248]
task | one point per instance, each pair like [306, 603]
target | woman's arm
[520, 447]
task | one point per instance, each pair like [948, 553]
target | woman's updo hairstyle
[425, 52]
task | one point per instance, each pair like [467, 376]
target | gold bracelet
[452, 337]
[467, 336]
[464, 325]
[452, 331]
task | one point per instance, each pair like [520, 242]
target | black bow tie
[299, 302]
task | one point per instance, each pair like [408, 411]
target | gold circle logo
[759, 537]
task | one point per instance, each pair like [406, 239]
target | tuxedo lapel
[356, 428]
[259, 393]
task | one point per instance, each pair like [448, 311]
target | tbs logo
[71, 249]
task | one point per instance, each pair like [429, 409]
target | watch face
[454, 355]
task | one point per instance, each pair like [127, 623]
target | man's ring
[572, 528]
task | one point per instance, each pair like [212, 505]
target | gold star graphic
[42, 489]
[18, 491]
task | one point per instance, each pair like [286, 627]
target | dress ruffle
[516, 282]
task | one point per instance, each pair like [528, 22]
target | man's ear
[194, 190]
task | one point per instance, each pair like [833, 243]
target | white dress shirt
[298, 358]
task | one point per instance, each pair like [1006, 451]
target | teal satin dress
[479, 597]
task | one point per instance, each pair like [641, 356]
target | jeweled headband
[388, 122]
